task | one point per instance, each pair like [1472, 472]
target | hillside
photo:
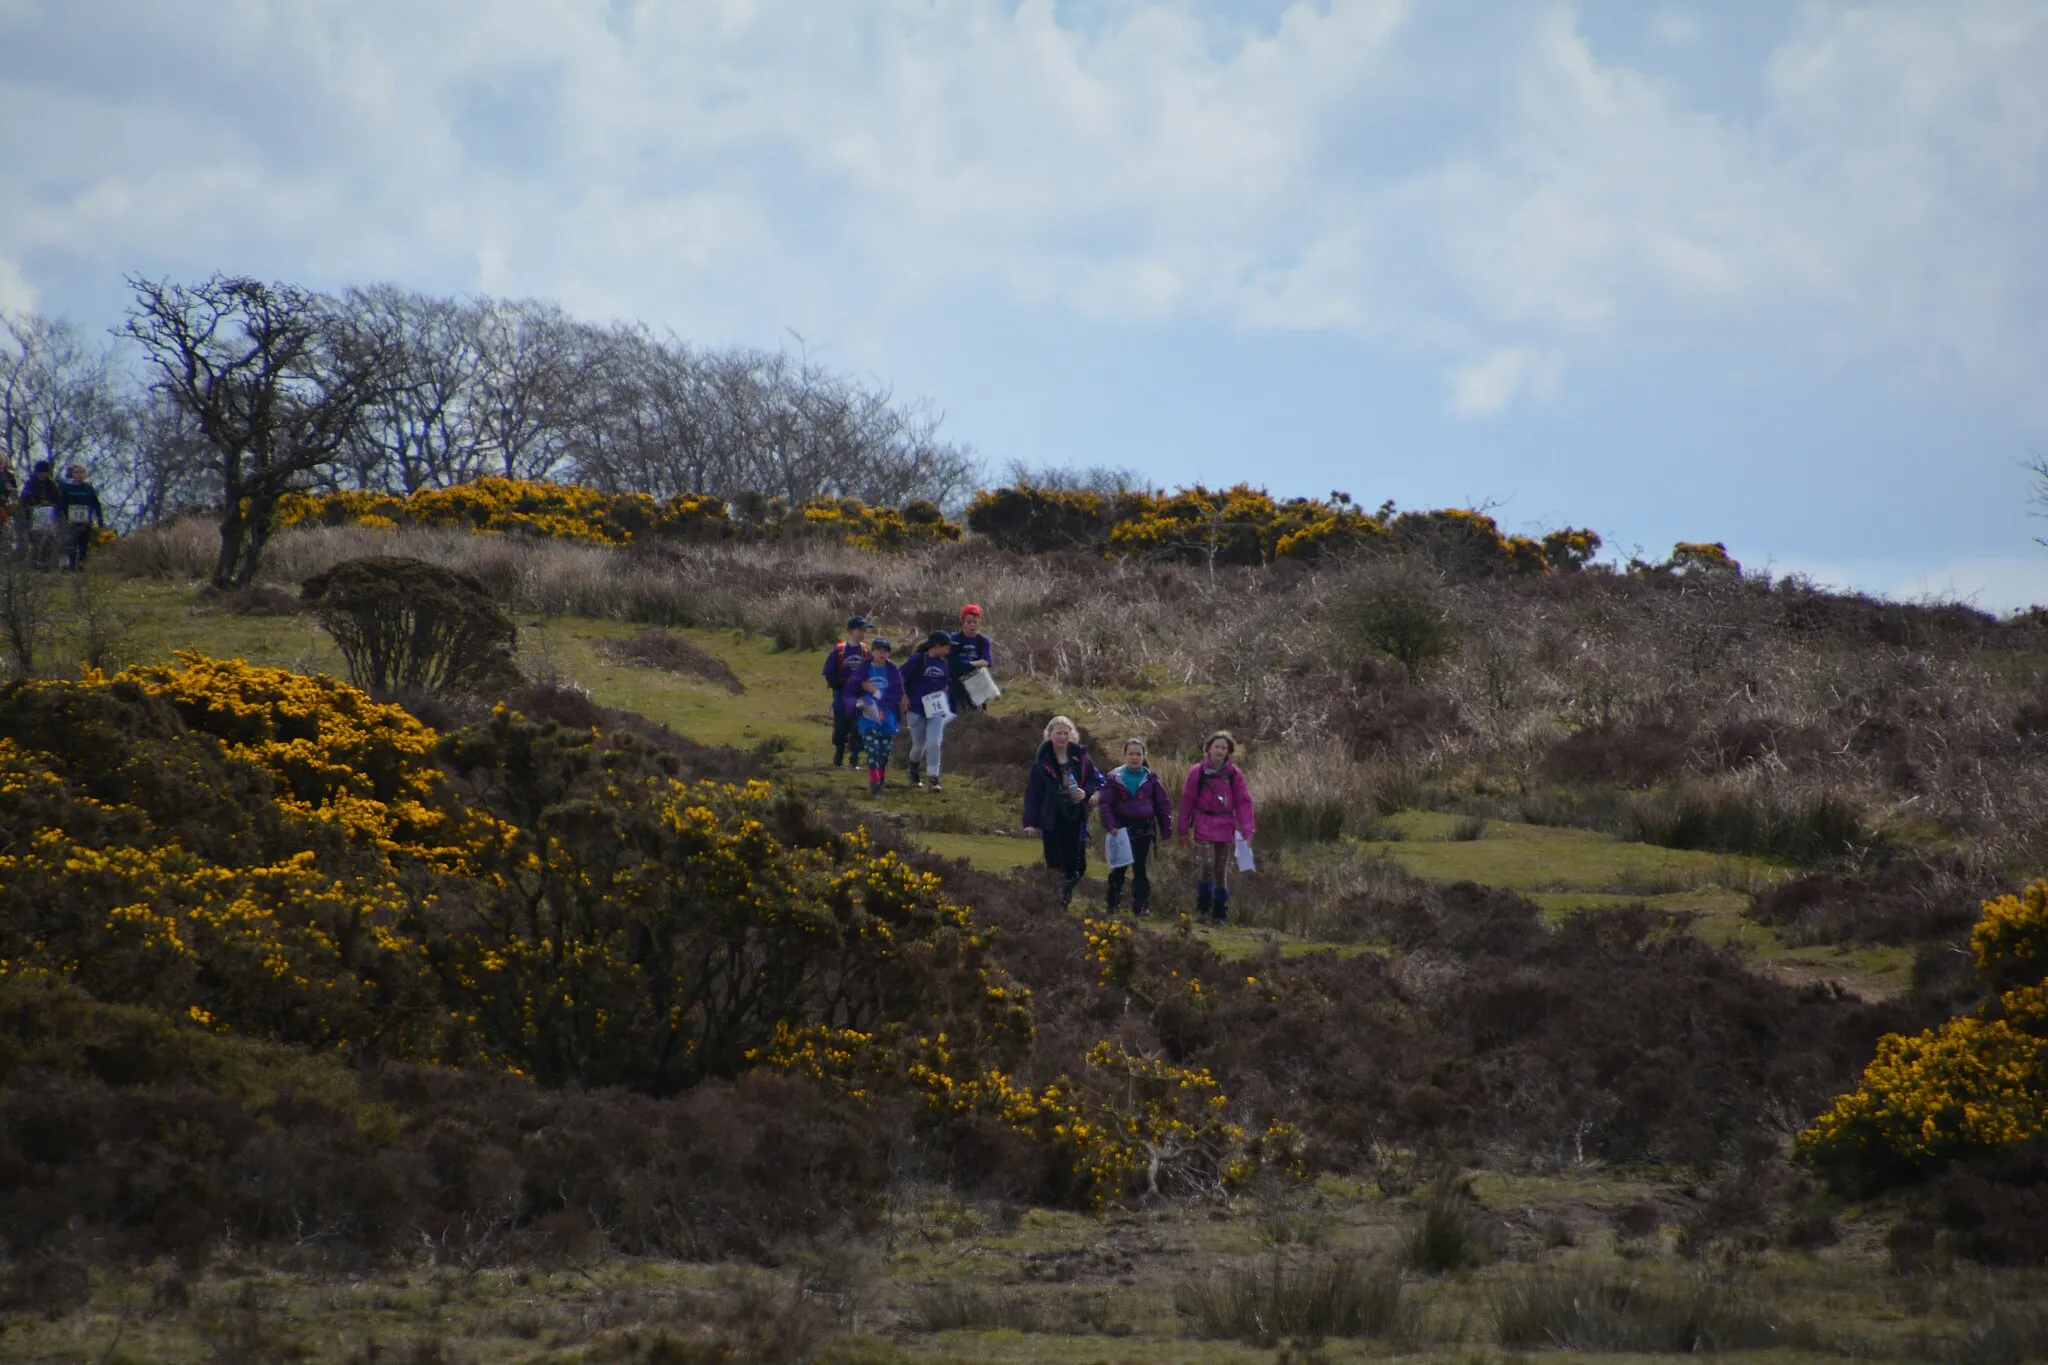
[1580, 894]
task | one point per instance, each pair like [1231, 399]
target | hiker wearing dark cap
[971, 650]
[78, 514]
[875, 687]
[927, 678]
[39, 500]
[840, 661]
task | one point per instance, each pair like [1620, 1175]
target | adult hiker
[972, 649]
[1134, 799]
[78, 512]
[10, 489]
[875, 690]
[1215, 809]
[840, 661]
[927, 680]
[39, 500]
[1056, 802]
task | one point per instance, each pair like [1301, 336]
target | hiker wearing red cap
[971, 650]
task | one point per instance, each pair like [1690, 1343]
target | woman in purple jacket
[1215, 808]
[1056, 802]
[1134, 798]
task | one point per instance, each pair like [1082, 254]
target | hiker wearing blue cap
[841, 662]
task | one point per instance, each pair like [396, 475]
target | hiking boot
[916, 779]
[932, 785]
[1222, 905]
[1141, 911]
[1202, 902]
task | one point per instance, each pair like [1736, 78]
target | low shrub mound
[405, 624]
[1978, 1083]
[673, 653]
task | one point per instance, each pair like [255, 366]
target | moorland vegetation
[453, 977]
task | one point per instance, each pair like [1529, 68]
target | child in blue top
[874, 689]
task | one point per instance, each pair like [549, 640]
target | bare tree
[170, 469]
[421, 432]
[275, 382]
[529, 365]
[59, 400]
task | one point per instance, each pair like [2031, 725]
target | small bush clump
[406, 624]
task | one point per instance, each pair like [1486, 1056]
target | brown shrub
[673, 653]
[1904, 900]
[1638, 755]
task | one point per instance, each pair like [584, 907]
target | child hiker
[840, 661]
[876, 692]
[1215, 807]
[971, 650]
[1134, 798]
[1056, 802]
[929, 673]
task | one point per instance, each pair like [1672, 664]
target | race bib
[936, 707]
[78, 514]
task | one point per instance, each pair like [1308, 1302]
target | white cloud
[1485, 386]
[1461, 189]
[16, 296]
[1674, 27]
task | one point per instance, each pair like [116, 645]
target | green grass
[784, 709]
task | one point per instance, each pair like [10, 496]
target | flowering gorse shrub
[560, 511]
[1243, 525]
[1978, 1081]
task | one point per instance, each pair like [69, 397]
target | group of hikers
[949, 674]
[873, 699]
[46, 517]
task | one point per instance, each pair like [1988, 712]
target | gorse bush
[408, 624]
[277, 857]
[1977, 1082]
[559, 511]
[1242, 526]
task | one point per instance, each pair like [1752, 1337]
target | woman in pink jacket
[1215, 807]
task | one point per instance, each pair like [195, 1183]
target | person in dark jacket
[39, 516]
[971, 650]
[10, 524]
[840, 661]
[928, 673]
[1056, 798]
[1134, 798]
[875, 690]
[78, 512]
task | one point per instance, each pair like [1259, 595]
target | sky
[1774, 274]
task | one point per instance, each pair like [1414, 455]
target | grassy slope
[1118, 1271]
[782, 711]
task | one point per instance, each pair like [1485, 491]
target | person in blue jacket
[840, 661]
[875, 692]
[1063, 781]
[928, 673]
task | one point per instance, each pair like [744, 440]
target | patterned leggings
[878, 744]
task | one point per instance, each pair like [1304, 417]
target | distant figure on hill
[1056, 802]
[39, 499]
[971, 650]
[10, 525]
[840, 661]
[1134, 798]
[875, 690]
[78, 510]
[1215, 808]
[928, 679]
